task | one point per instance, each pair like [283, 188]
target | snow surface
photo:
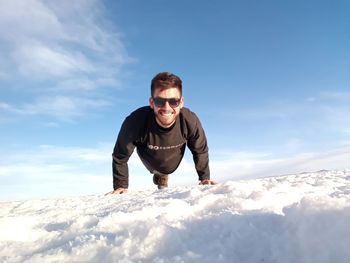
[294, 218]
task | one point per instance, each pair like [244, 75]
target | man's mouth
[165, 113]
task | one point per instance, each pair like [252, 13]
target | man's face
[166, 104]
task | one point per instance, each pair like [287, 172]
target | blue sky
[270, 81]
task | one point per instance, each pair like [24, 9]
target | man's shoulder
[138, 116]
[188, 114]
[140, 112]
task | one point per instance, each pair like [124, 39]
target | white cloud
[63, 171]
[82, 84]
[89, 170]
[52, 153]
[48, 39]
[57, 49]
[331, 106]
[255, 165]
[62, 107]
[22, 20]
[43, 61]
[266, 113]
[85, 84]
[4, 106]
[337, 95]
[54, 163]
[3, 76]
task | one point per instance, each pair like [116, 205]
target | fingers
[207, 182]
[117, 191]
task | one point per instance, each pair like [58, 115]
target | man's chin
[165, 123]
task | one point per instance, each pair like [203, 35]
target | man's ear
[182, 102]
[151, 102]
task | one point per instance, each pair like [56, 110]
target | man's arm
[123, 149]
[197, 143]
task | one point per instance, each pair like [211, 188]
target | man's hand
[207, 182]
[117, 191]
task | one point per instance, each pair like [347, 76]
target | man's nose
[167, 105]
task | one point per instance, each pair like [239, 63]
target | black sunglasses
[160, 102]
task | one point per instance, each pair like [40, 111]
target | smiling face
[165, 114]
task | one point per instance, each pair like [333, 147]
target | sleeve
[123, 149]
[197, 143]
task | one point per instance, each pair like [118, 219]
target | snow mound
[294, 218]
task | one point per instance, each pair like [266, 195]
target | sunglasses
[160, 102]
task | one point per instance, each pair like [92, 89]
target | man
[160, 133]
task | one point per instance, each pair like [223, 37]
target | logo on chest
[156, 147]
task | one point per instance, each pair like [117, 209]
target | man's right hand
[117, 191]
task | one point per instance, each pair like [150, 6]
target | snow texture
[294, 218]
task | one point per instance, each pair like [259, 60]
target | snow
[295, 218]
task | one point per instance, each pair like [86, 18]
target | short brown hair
[166, 80]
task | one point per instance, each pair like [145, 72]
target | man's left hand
[118, 191]
[207, 182]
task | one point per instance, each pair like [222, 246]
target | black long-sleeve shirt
[161, 150]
